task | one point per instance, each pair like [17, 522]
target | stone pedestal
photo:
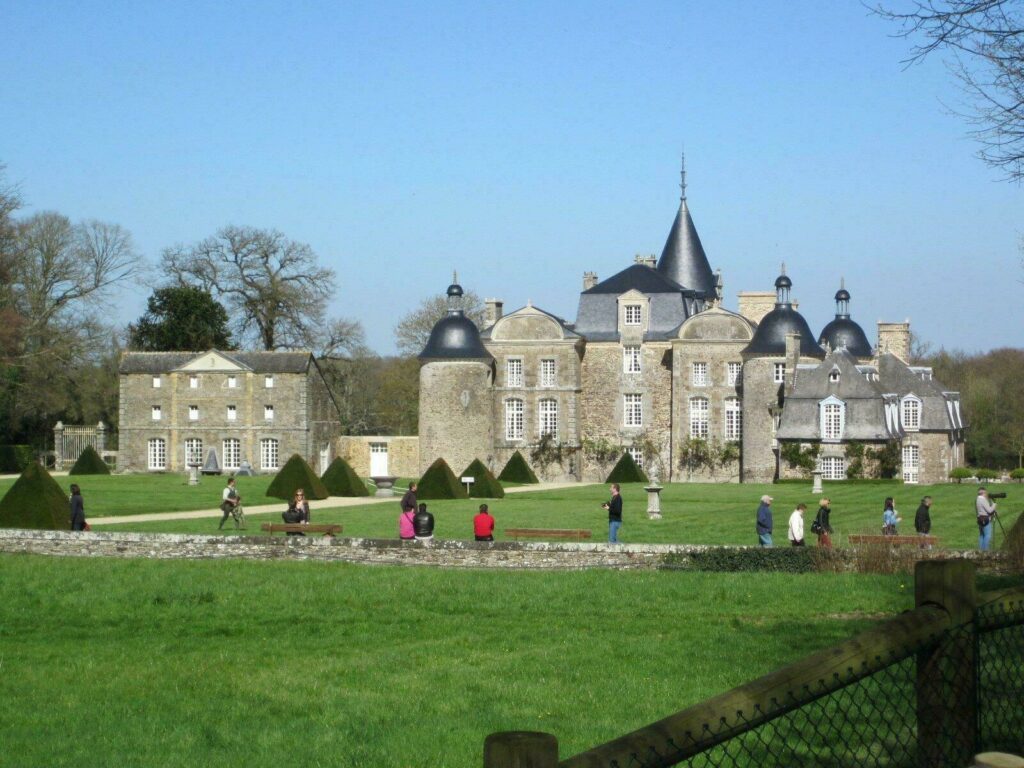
[193, 474]
[817, 481]
[653, 500]
[385, 485]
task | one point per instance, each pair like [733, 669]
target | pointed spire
[683, 259]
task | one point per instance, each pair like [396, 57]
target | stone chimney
[894, 338]
[754, 305]
[589, 280]
[492, 311]
[792, 359]
[648, 261]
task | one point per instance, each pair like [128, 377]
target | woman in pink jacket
[406, 531]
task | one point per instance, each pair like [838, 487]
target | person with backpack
[986, 510]
[230, 504]
[821, 525]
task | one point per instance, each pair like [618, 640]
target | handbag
[816, 527]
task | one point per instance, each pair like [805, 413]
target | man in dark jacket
[409, 499]
[614, 507]
[764, 521]
[923, 520]
[423, 524]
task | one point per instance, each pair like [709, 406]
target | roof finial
[455, 277]
[842, 282]
[783, 268]
[682, 174]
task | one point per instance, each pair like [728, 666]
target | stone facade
[259, 407]
[456, 419]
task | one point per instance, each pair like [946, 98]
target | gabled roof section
[559, 328]
[213, 361]
[683, 260]
[256, 362]
[638, 277]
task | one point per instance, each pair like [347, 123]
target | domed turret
[844, 332]
[454, 336]
[770, 336]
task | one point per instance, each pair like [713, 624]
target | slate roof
[770, 336]
[638, 277]
[455, 337]
[257, 362]
[683, 259]
[844, 332]
[938, 411]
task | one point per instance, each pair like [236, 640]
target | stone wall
[403, 453]
[456, 419]
[760, 403]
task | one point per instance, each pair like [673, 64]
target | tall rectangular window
[699, 417]
[780, 373]
[514, 372]
[911, 463]
[268, 412]
[156, 382]
[911, 413]
[832, 421]
[733, 373]
[157, 453]
[548, 417]
[514, 419]
[699, 374]
[268, 453]
[633, 410]
[268, 382]
[193, 382]
[632, 316]
[631, 359]
[232, 382]
[193, 413]
[232, 450]
[193, 450]
[833, 468]
[157, 414]
[232, 413]
[547, 373]
[733, 419]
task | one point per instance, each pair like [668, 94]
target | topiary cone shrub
[626, 471]
[485, 485]
[89, 463]
[35, 501]
[296, 473]
[439, 482]
[517, 471]
[341, 480]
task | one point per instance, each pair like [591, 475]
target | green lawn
[692, 513]
[269, 663]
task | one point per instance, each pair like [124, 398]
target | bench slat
[327, 529]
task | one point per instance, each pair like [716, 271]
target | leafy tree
[183, 318]
[414, 328]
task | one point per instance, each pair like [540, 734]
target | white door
[378, 459]
[325, 458]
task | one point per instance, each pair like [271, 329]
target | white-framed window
[910, 413]
[780, 373]
[268, 381]
[833, 375]
[268, 453]
[699, 417]
[157, 453]
[232, 382]
[633, 410]
[911, 463]
[638, 457]
[547, 372]
[193, 413]
[732, 373]
[157, 382]
[547, 417]
[232, 414]
[699, 374]
[632, 314]
[733, 418]
[157, 413]
[514, 372]
[514, 419]
[833, 468]
[268, 413]
[193, 381]
[231, 449]
[193, 450]
[631, 359]
[833, 418]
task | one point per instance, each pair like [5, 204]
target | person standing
[614, 507]
[423, 524]
[408, 502]
[764, 521]
[229, 499]
[483, 525]
[890, 518]
[923, 520]
[821, 525]
[796, 526]
[77, 508]
[986, 510]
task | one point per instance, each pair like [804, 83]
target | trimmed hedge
[1017, 474]
[89, 463]
[485, 485]
[735, 560]
[14, 458]
[626, 471]
[986, 474]
[439, 482]
[296, 473]
[341, 480]
[35, 501]
[960, 473]
[517, 471]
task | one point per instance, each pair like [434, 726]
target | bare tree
[985, 42]
[273, 287]
[414, 328]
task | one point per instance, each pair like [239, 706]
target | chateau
[654, 365]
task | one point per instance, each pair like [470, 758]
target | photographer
[986, 509]
[614, 507]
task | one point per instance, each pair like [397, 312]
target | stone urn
[385, 484]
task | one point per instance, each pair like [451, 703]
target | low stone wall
[447, 554]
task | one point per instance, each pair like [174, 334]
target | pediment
[716, 324]
[632, 296]
[527, 324]
[212, 361]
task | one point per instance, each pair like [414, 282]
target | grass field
[184, 663]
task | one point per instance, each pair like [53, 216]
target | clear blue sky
[523, 144]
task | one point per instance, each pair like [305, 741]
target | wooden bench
[327, 529]
[546, 533]
[893, 541]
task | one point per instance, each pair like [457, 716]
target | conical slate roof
[683, 259]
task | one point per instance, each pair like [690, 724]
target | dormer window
[632, 314]
[832, 415]
[833, 376]
[910, 412]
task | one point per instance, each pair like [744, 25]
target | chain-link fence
[1001, 675]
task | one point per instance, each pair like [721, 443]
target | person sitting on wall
[483, 525]
[423, 524]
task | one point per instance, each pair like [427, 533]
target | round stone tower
[456, 375]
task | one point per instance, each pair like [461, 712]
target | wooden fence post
[521, 749]
[947, 685]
